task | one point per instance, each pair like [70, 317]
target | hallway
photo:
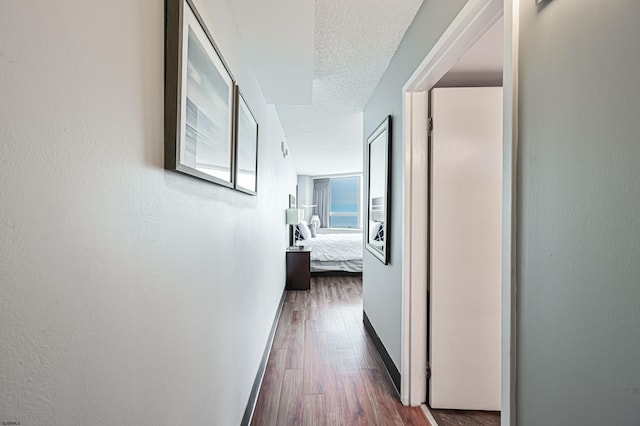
[323, 368]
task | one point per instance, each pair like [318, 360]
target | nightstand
[298, 269]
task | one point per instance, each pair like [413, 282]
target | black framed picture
[246, 167]
[199, 99]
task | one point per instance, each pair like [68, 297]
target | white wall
[578, 214]
[130, 294]
[383, 283]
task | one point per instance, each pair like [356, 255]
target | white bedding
[334, 247]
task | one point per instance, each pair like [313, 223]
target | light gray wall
[129, 294]
[383, 284]
[579, 214]
[579, 197]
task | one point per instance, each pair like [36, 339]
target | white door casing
[468, 26]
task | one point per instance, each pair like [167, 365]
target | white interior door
[465, 269]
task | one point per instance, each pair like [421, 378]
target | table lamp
[315, 220]
[293, 217]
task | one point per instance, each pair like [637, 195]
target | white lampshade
[315, 220]
[294, 216]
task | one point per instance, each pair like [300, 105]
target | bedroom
[332, 222]
[325, 140]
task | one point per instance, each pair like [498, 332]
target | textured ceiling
[279, 37]
[353, 45]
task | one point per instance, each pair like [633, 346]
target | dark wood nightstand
[298, 269]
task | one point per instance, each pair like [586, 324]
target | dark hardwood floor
[462, 417]
[323, 368]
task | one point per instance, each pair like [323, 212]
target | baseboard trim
[427, 412]
[253, 396]
[336, 274]
[392, 370]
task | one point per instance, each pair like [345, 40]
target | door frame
[469, 25]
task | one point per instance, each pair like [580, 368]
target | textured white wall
[578, 214]
[129, 294]
[383, 283]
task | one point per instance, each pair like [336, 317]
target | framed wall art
[199, 99]
[246, 179]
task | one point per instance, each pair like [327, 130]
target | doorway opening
[457, 61]
[464, 265]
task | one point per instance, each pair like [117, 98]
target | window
[345, 202]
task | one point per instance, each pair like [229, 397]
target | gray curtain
[321, 198]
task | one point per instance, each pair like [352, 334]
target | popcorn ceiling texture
[354, 43]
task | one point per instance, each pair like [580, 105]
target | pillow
[380, 234]
[297, 235]
[312, 228]
[374, 229]
[305, 231]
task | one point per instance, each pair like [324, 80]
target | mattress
[335, 252]
[337, 265]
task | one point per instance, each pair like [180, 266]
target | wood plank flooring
[463, 417]
[323, 368]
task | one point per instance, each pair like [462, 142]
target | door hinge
[429, 125]
[428, 368]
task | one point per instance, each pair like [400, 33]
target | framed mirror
[377, 224]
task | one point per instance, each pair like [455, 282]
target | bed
[335, 252]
